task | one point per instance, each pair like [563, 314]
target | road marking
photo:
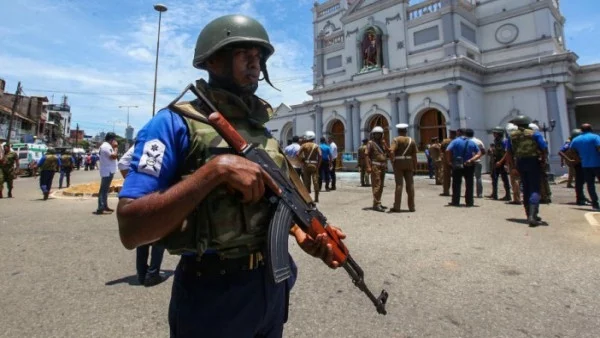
[590, 217]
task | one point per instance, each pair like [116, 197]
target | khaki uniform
[377, 162]
[404, 153]
[310, 156]
[435, 152]
[362, 165]
[7, 171]
[447, 170]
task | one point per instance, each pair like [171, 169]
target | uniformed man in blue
[186, 189]
[526, 151]
[461, 155]
[587, 146]
[48, 165]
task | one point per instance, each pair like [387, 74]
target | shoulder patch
[152, 157]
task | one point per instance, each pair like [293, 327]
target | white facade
[462, 63]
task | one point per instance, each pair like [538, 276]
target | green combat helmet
[50, 151]
[232, 29]
[498, 129]
[575, 133]
[521, 120]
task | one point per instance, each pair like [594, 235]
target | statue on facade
[371, 50]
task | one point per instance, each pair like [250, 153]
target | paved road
[477, 272]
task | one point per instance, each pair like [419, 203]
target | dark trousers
[468, 173]
[531, 173]
[65, 173]
[430, 167]
[579, 182]
[324, 173]
[332, 174]
[103, 192]
[500, 172]
[46, 177]
[590, 175]
[243, 304]
[141, 260]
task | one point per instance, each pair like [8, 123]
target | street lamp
[160, 9]
[545, 128]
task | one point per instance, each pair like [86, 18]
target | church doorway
[287, 132]
[432, 123]
[380, 120]
[338, 133]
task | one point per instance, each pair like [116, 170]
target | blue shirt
[457, 147]
[565, 146]
[537, 137]
[586, 146]
[160, 150]
[325, 151]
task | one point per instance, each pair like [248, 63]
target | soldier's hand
[369, 170]
[319, 246]
[247, 177]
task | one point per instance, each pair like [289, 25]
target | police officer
[435, 152]
[362, 164]
[67, 162]
[186, 189]
[9, 164]
[310, 157]
[48, 165]
[377, 153]
[572, 160]
[524, 147]
[447, 175]
[497, 151]
[403, 153]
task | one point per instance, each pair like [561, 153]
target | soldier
[48, 165]
[447, 175]
[403, 153]
[572, 160]
[67, 163]
[377, 152]
[310, 157]
[208, 205]
[9, 165]
[524, 147]
[545, 190]
[497, 151]
[362, 164]
[435, 152]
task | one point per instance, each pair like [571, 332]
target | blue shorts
[242, 304]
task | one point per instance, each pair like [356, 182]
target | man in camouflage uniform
[187, 189]
[310, 157]
[435, 152]
[377, 153]
[524, 147]
[447, 169]
[9, 165]
[497, 151]
[403, 154]
[362, 164]
[67, 162]
[48, 165]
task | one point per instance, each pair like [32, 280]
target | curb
[591, 219]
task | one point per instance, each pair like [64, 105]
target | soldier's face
[246, 66]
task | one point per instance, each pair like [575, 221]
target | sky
[101, 53]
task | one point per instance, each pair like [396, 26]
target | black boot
[532, 217]
[9, 193]
[327, 187]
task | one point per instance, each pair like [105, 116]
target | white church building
[440, 65]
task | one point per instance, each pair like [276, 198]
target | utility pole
[14, 109]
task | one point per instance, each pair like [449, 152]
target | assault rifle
[294, 205]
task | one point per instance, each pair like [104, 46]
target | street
[450, 272]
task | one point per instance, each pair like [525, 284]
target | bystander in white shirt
[334, 150]
[108, 165]
[480, 145]
[125, 161]
[291, 152]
